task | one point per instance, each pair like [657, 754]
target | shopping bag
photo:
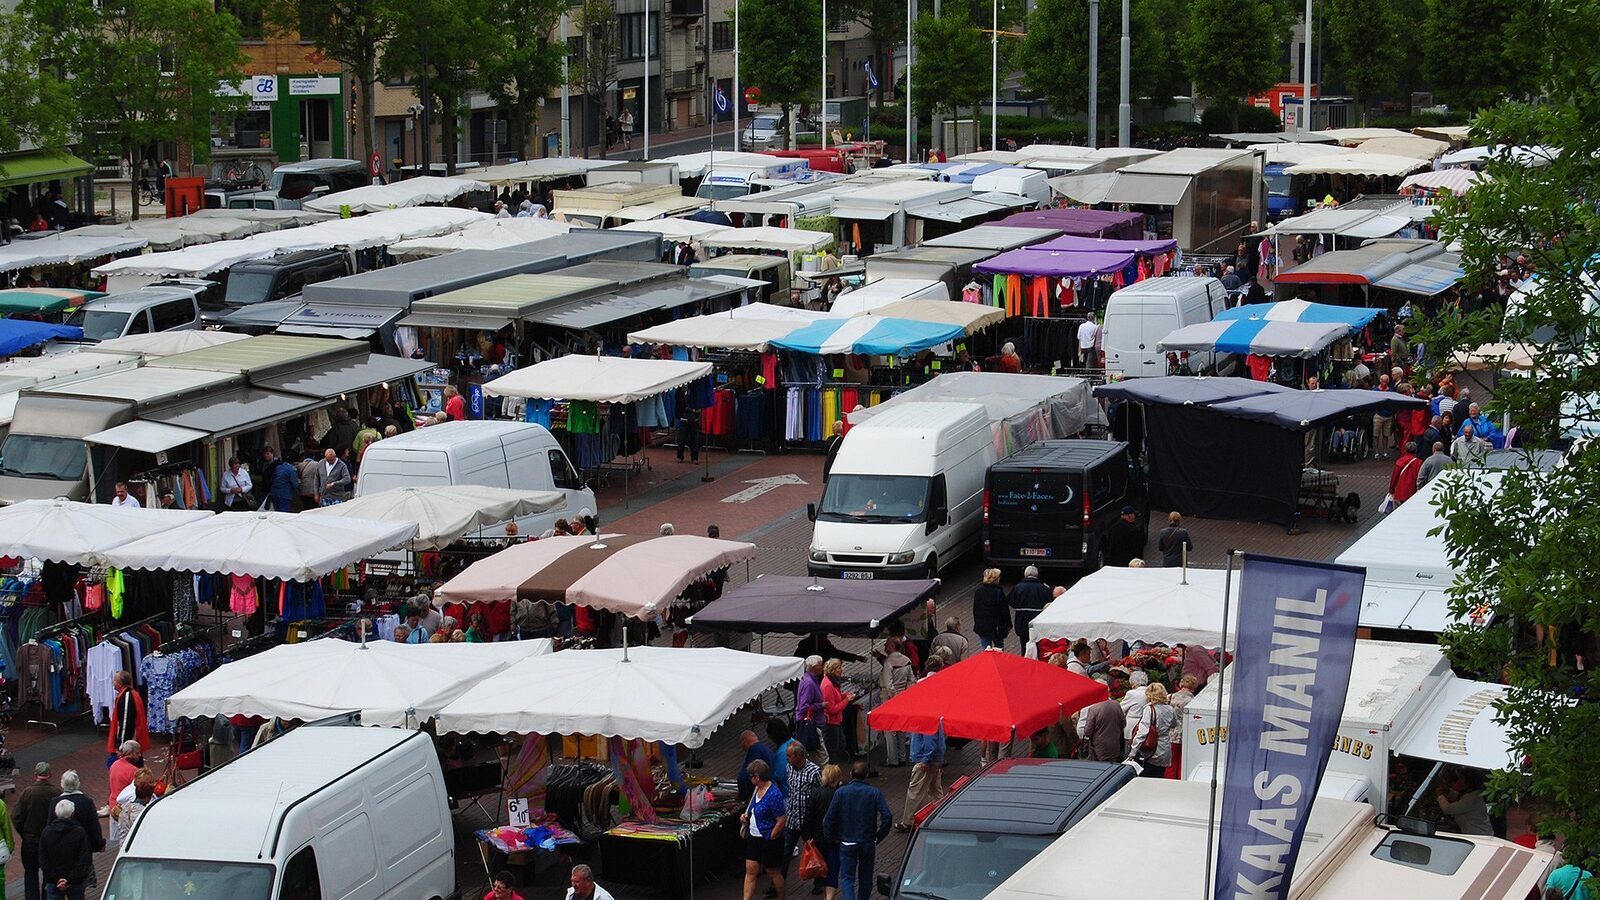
[812, 863]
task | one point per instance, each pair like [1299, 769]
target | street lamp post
[647, 79]
[994, 80]
[1094, 70]
[738, 92]
[566, 92]
[911, 118]
[1305, 98]
[1125, 107]
[822, 106]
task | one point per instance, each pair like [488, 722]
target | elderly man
[66, 855]
[808, 711]
[333, 478]
[32, 812]
[802, 778]
[1434, 464]
[1028, 597]
[583, 886]
[1468, 447]
[951, 639]
[1100, 726]
[83, 813]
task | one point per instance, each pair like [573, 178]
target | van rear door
[1035, 515]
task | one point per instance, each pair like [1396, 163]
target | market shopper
[990, 615]
[32, 813]
[1174, 541]
[129, 760]
[128, 722]
[1434, 464]
[84, 812]
[898, 673]
[1159, 718]
[858, 819]
[833, 777]
[1403, 479]
[65, 855]
[282, 481]
[804, 778]
[754, 751]
[1100, 727]
[1125, 542]
[764, 820]
[927, 769]
[1028, 598]
[123, 499]
[583, 886]
[503, 887]
[834, 703]
[236, 486]
[951, 641]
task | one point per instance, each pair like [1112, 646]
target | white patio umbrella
[650, 693]
[443, 513]
[1174, 606]
[264, 544]
[387, 683]
[67, 531]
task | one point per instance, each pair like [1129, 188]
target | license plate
[1035, 551]
[856, 576]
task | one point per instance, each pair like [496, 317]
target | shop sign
[313, 85]
[256, 88]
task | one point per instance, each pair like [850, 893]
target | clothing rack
[251, 646]
[98, 619]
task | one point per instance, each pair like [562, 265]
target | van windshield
[709, 191]
[953, 865]
[245, 288]
[100, 324]
[35, 456]
[163, 879]
[874, 498]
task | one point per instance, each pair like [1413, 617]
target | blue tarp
[875, 335]
[17, 335]
[1355, 317]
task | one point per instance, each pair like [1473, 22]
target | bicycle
[241, 171]
[147, 192]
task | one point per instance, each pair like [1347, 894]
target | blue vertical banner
[474, 401]
[1297, 636]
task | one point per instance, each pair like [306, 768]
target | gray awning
[591, 312]
[234, 411]
[449, 320]
[1145, 189]
[872, 214]
[148, 437]
[322, 381]
[349, 334]
[955, 210]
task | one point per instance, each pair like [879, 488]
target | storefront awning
[322, 381]
[455, 320]
[1143, 189]
[865, 213]
[590, 312]
[146, 437]
[232, 412]
[40, 166]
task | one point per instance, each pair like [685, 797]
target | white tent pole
[1216, 736]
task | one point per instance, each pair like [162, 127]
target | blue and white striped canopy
[1258, 336]
[1302, 311]
[875, 335]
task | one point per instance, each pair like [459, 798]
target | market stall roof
[766, 237]
[148, 384]
[969, 317]
[1413, 146]
[1292, 153]
[1334, 219]
[420, 191]
[1088, 188]
[350, 321]
[1085, 222]
[719, 331]
[1148, 189]
[1363, 265]
[1305, 409]
[389, 684]
[444, 514]
[67, 531]
[1456, 181]
[509, 298]
[63, 249]
[145, 437]
[989, 696]
[993, 237]
[1275, 138]
[343, 377]
[659, 208]
[1187, 390]
[634, 575]
[223, 413]
[1169, 605]
[632, 300]
[1376, 164]
[492, 234]
[884, 291]
[1399, 549]
[1451, 133]
[1497, 357]
[17, 335]
[166, 343]
[1258, 337]
[1532, 156]
[276, 218]
[43, 300]
[603, 379]
[795, 604]
[1355, 317]
[37, 166]
[1459, 727]
[262, 544]
[675, 694]
[1056, 263]
[537, 170]
[674, 229]
[1427, 278]
[961, 209]
[1352, 137]
[267, 354]
[1021, 409]
[870, 335]
[1107, 245]
[180, 231]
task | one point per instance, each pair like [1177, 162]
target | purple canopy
[1057, 264]
[1098, 223]
[1104, 245]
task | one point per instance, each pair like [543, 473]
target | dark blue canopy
[17, 335]
[1185, 390]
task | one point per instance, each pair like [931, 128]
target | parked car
[147, 310]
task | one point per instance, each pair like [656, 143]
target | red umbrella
[992, 696]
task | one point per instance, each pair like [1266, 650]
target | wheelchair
[1349, 439]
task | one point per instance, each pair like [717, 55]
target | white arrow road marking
[762, 486]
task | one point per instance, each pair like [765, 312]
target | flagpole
[1216, 738]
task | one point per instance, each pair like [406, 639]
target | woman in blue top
[764, 822]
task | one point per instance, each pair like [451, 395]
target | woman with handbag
[1152, 736]
[834, 702]
[762, 825]
[833, 775]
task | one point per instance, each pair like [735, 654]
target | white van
[1141, 314]
[905, 494]
[492, 453]
[328, 811]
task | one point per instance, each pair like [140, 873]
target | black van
[1052, 505]
[990, 825]
[274, 278]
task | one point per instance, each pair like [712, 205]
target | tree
[1468, 56]
[885, 21]
[1365, 41]
[944, 74]
[1527, 547]
[441, 42]
[1054, 55]
[781, 38]
[1231, 49]
[594, 66]
[141, 72]
[523, 66]
[38, 106]
[352, 33]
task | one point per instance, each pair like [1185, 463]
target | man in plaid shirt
[804, 777]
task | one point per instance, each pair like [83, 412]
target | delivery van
[336, 812]
[1140, 315]
[1053, 504]
[905, 494]
[517, 455]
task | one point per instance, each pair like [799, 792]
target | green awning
[40, 165]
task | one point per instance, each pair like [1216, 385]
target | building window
[630, 36]
[314, 20]
[246, 129]
[721, 35]
[251, 28]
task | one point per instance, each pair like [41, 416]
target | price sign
[517, 813]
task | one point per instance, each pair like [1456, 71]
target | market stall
[1046, 284]
[869, 335]
[1168, 606]
[492, 234]
[424, 190]
[766, 238]
[42, 301]
[1022, 409]
[878, 293]
[969, 317]
[273, 545]
[1100, 223]
[17, 335]
[66, 531]
[794, 604]
[989, 696]
[64, 249]
[727, 330]
[444, 514]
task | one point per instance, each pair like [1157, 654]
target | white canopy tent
[264, 544]
[1354, 137]
[67, 531]
[443, 514]
[166, 343]
[679, 695]
[767, 237]
[674, 229]
[536, 170]
[1378, 164]
[1119, 604]
[717, 331]
[970, 317]
[1292, 153]
[389, 684]
[1476, 157]
[182, 231]
[1456, 181]
[1409, 145]
[420, 191]
[64, 249]
[603, 379]
[492, 234]
[885, 291]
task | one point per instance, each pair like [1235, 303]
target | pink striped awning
[1456, 181]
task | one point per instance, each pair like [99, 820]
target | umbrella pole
[1216, 743]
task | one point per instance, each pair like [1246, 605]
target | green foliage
[350, 32]
[441, 41]
[1218, 119]
[524, 65]
[1365, 41]
[1469, 57]
[38, 107]
[781, 42]
[1054, 56]
[946, 74]
[1231, 49]
[885, 21]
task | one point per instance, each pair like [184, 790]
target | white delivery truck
[517, 455]
[1140, 315]
[1346, 853]
[337, 812]
[727, 180]
[1403, 700]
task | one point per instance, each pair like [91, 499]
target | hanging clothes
[242, 594]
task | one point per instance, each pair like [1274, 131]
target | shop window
[248, 129]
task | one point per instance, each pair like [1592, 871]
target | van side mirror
[811, 511]
[885, 886]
